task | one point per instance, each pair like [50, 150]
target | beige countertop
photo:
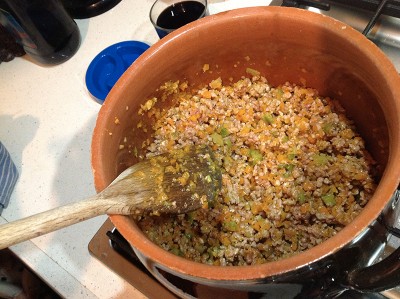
[46, 121]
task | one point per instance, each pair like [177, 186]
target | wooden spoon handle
[52, 220]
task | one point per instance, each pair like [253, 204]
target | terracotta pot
[285, 44]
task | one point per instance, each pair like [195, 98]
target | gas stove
[379, 21]
[110, 248]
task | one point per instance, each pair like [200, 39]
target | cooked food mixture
[294, 170]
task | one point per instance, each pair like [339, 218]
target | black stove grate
[390, 8]
[375, 7]
[122, 246]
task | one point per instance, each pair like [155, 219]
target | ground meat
[294, 170]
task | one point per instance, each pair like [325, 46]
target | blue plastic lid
[108, 66]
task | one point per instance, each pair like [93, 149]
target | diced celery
[255, 156]
[327, 127]
[301, 197]
[288, 167]
[329, 199]
[224, 132]
[177, 251]
[217, 139]
[320, 159]
[275, 134]
[279, 93]
[268, 118]
[230, 226]
[252, 72]
[228, 142]
[293, 153]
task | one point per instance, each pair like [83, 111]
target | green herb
[320, 159]
[217, 139]
[231, 226]
[214, 251]
[279, 93]
[268, 118]
[301, 197]
[285, 138]
[328, 127]
[200, 248]
[177, 251]
[292, 154]
[190, 217]
[329, 199]
[288, 167]
[255, 156]
[227, 161]
[228, 142]
[252, 72]
[224, 132]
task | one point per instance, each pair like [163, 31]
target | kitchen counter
[46, 121]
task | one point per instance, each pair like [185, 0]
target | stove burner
[312, 3]
[389, 7]
[120, 245]
[382, 7]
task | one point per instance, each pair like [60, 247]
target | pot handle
[170, 286]
[383, 275]
[379, 277]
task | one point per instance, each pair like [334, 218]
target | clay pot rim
[385, 190]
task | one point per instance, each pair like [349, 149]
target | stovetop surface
[124, 262]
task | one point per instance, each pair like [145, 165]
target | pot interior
[283, 44]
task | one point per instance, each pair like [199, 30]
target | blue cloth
[8, 177]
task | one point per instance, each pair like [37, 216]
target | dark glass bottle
[43, 27]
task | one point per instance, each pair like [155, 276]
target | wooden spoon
[176, 182]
